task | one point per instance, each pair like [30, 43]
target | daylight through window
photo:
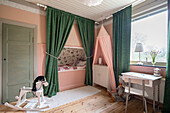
[151, 31]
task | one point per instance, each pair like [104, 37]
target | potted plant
[154, 54]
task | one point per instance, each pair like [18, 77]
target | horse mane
[39, 78]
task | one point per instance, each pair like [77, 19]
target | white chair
[130, 90]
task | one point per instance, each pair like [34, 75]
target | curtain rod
[45, 7]
[41, 5]
[136, 2]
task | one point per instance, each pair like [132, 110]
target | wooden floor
[98, 103]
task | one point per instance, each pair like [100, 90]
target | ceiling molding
[22, 7]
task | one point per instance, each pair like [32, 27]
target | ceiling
[97, 13]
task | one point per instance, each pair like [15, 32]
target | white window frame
[146, 9]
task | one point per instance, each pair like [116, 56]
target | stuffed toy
[120, 96]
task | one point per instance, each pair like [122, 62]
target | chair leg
[146, 111]
[144, 100]
[127, 97]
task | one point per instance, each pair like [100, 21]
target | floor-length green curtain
[166, 104]
[59, 25]
[121, 42]
[86, 29]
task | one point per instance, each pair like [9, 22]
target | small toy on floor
[120, 96]
[37, 90]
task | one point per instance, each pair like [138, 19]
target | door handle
[4, 58]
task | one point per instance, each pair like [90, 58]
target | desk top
[141, 76]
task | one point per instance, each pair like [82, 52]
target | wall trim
[35, 48]
[22, 7]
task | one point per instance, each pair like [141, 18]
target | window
[151, 31]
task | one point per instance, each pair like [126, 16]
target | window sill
[148, 65]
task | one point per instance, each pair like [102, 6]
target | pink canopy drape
[103, 45]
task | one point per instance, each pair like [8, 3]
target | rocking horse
[37, 90]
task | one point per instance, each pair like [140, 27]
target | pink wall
[41, 59]
[18, 15]
[96, 32]
[109, 29]
[147, 70]
[74, 39]
[141, 69]
[26, 17]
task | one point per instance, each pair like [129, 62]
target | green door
[17, 44]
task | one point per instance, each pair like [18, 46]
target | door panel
[17, 60]
[21, 34]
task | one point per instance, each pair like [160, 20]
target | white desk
[150, 81]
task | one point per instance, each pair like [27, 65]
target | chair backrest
[136, 91]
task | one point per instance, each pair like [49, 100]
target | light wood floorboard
[98, 103]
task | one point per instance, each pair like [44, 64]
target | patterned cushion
[70, 56]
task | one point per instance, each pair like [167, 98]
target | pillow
[80, 63]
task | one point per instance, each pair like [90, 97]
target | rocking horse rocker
[37, 90]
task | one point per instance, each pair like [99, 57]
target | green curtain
[166, 104]
[86, 29]
[121, 42]
[59, 24]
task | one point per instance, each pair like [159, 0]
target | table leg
[144, 102]
[158, 97]
[153, 99]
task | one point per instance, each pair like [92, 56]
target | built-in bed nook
[71, 68]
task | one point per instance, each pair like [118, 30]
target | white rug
[68, 96]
